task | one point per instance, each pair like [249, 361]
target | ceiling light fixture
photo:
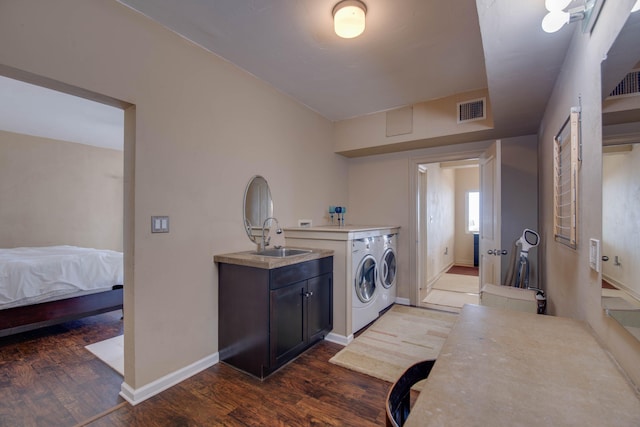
[636, 7]
[557, 16]
[349, 18]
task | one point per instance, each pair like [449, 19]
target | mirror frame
[248, 227]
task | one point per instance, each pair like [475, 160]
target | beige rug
[450, 299]
[111, 352]
[401, 337]
[458, 283]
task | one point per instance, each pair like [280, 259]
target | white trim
[338, 339]
[403, 301]
[135, 396]
[450, 153]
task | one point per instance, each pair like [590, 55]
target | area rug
[111, 352]
[458, 283]
[401, 337]
[450, 301]
[463, 269]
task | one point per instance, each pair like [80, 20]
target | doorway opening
[448, 219]
[76, 150]
[446, 215]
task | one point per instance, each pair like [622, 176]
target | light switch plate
[159, 224]
[594, 254]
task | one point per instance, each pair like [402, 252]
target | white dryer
[387, 269]
[364, 282]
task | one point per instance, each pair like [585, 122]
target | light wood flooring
[48, 378]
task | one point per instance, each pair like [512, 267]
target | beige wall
[379, 193]
[438, 221]
[203, 128]
[467, 180]
[59, 193]
[431, 119]
[573, 287]
[519, 187]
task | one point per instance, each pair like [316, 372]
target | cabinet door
[319, 306]
[288, 323]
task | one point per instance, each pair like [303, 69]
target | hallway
[458, 286]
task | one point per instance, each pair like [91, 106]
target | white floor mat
[458, 283]
[111, 352]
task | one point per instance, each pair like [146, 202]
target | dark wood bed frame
[29, 317]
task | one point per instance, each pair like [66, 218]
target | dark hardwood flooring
[461, 269]
[48, 378]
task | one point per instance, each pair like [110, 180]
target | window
[473, 212]
[565, 180]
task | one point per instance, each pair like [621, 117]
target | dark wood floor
[52, 380]
[461, 269]
[48, 378]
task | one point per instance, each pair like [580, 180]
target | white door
[490, 221]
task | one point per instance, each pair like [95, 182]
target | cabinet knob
[307, 294]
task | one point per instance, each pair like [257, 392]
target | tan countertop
[250, 259]
[509, 368]
[336, 232]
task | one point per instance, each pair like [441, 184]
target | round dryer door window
[388, 268]
[365, 279]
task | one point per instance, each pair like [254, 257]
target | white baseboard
[135, 396]
[339, 339]
[403, 301]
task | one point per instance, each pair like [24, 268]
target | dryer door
[388, 268]
[365, 279]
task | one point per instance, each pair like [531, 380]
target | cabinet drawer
[284, 276]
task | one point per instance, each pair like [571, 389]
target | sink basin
[282, 252]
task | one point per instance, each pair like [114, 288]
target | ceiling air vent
[630, 85]
[469, 111]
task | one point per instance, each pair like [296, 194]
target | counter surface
[250, 259]
[509, 368]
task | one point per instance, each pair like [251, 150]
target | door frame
[414, 204]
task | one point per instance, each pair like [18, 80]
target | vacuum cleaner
[519, 269]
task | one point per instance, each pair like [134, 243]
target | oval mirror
[258, 206]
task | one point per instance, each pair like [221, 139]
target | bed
[42, 286]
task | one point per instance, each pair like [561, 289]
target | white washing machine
[387, 271]
[364, 282]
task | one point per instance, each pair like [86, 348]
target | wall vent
[469, 111]
[630, 85]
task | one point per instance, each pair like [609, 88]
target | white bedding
[32, 275]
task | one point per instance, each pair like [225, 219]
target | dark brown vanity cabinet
[268, 317]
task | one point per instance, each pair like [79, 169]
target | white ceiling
[411, 51]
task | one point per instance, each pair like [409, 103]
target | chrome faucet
[264, 242]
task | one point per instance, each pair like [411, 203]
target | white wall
[59, 193]
[574, 289]
[467, 180]
[203, 128]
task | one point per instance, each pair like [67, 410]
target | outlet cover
[594, 254]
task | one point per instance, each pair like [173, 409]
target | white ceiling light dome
[556, 5]
[554, 20]
[349, 18]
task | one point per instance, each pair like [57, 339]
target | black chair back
[399, 396]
